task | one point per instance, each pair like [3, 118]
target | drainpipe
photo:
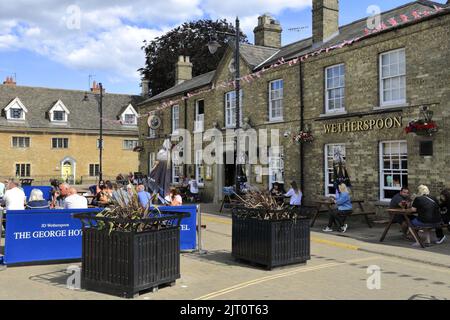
[185, 127]
[302, 126]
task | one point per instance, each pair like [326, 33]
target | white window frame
[175, 119]
[60, 145]
[176, 179]
[96, 172]
[199, 167]
[59, 106]
[276, 155]
[272, 100]
[327, 168]
[199, 124]
[20, 170]
[328, 90]
[20, 145]
[151, 161]
[98, 144]
[381, 80]
[15, 104]
[134, 142]
[382, 171]
[129, 111]
[230, 109]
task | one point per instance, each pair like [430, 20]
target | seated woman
[344, 208]
[429, 214]
[295, 194]
[174, 199]
[36, 200]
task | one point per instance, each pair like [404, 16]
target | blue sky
[59, 43]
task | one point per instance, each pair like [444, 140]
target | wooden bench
[428, 230]
[329, 206]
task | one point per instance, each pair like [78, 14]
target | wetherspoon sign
[364, 125]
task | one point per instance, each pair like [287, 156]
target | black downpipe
[302, 126]
[185, 127]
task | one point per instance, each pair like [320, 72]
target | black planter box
[271, 243]
[125, 263]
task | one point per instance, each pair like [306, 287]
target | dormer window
[130, 119]
[59, 113]
[16, 113]
[129, 116]
[15, 110]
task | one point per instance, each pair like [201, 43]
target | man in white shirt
[2, 190]
[14, 197]
[193, 189]
[75, 201]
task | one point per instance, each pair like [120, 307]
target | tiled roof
[194, 83]
[83, 115]
[351, 31]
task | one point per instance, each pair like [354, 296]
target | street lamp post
[213, 46]
[100, 142]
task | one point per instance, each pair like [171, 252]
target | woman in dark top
[445, 206]
[36, 200]
[429, 214]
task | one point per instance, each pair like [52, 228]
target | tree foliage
[190, 39]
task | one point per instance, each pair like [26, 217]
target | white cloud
[94, 35]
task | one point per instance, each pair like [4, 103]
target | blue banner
[54, 235]
[188, 227]
[42, 235]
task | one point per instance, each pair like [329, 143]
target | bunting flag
[249, 78]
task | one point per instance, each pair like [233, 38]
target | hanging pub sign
[364, 125]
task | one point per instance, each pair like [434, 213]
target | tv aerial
[298, 29]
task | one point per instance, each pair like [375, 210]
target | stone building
[354, 88]
[53, 133]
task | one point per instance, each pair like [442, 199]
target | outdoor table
[406, 213]
[330, 204]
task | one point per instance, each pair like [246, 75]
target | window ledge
[392, 106]
[333, 114]
[274, 121]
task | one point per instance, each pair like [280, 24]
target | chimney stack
[183, 69]
[96, 88]
[268, 32]
[9, 82]
[145, 88]
[325, 20]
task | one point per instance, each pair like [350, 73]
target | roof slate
[83, 115]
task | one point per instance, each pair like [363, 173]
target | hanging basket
[422, 128]
[303, 137]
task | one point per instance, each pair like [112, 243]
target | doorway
[68, 167]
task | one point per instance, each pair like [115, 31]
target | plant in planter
[127, 249]
[268, 234]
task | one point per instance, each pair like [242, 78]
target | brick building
[354, 88]
[53, 133]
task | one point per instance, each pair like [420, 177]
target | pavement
[338, 270]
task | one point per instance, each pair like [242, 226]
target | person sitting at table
[295, 194]
[401, 200]
[14, 198]
[276, 191]
[36, 200]
[174, 198]
[445, 206]
[2, 190]
[105, 197]
[193, 189]
[60, 195]
[344, 208]
[429, 214]
[143, 196]
[75, 201]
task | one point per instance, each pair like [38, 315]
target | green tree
[190, 39]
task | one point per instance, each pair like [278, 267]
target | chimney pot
[183, 69]
[325, 20]
[268, 32]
